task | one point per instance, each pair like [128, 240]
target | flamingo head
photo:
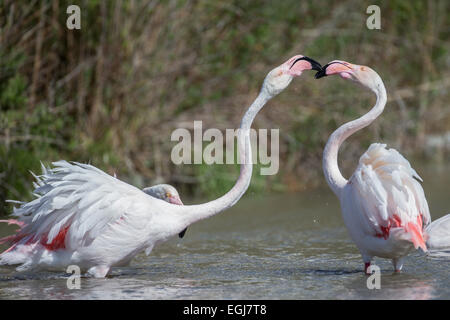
[164, 192]
[167, 193]
[363, 75]
[280, 77]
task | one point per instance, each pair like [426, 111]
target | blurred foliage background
[112, 93]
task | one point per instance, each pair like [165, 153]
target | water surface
[267, 247]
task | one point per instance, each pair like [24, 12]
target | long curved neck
[330, 155]
[195, 213]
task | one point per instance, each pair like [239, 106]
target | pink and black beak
[333, 67]
[314, 64]
[176, 200]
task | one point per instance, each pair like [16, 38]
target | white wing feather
[78, 196]
[385, 186]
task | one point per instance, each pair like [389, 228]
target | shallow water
[273, 247]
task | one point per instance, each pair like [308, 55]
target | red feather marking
[15, 238]
[417, 237]
[419, 222]
[13, 221]
[414, 229]
[396, 221]
[385, 231]
[59, 242]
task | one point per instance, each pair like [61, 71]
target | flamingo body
[86, 217]
[384, 206]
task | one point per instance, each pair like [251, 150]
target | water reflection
[393, 286]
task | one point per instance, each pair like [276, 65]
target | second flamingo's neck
[195, 213]
[330, 155]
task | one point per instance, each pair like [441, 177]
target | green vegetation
[112, 93]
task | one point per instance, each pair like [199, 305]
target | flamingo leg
[366, 267]
[398, 264]
[366, 258]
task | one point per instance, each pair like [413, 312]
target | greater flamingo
[164, 192]
[383, 204]
[83, 216]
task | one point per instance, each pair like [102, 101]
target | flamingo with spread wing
[83, 216]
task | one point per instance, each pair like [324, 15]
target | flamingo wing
[74, 203]
[388, 194]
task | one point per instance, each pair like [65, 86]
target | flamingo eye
[168, 195]
[363, 69]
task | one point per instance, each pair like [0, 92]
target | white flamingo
[383, 204]
[83, 216]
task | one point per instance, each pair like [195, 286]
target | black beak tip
[320, 74]
[314, 64]
[317, 67]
